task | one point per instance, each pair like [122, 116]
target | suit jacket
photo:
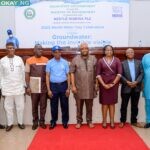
[127, 76]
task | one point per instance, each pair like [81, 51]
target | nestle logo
[117, 11]
[14, 2]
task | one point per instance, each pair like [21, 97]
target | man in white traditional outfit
[13, 85]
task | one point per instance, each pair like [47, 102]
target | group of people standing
[42, 78]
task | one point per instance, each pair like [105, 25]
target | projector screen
[69, 22]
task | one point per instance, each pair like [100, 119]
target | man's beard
[84, 54]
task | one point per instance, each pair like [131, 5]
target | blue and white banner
[69, 22]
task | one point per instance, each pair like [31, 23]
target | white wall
[97, 115]
[139, 22]
[7, 20]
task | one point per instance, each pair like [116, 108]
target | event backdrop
[69, 22]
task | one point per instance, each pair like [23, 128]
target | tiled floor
[18, 139]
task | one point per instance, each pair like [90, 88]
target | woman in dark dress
[109, 70]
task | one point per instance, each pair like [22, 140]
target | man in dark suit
[131, 86]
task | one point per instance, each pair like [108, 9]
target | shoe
[34, 126]
[21, 126]
[112, 125]
[137, 124]
[122, 124]
[2, 127]
[43, 125]
[65, 125]
[91, 125]
[78, 126]
[8, 128]
[52, 126]
[147, 125]
[104, 125]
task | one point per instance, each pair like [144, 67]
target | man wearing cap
[13, 85]
[36, 85]
[12, 38]
[83, 81]
[58, 85]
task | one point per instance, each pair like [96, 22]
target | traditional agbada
[84, 71]
[13, 85]
[83, 79]
[12, 76]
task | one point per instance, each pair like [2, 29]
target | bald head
[84, 49]
[83, 44]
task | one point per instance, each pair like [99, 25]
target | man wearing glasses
[13, 85]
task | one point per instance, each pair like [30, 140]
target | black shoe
[2, 127]
[52, 126]
[21, 126]
[147, 125]
[43, 125]
[65, 125]
[8, 128]
[34, 126]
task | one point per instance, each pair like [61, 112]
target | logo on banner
[117, 11]
[29, 13]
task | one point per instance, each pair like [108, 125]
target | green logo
[14, 2]
[29, 13]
